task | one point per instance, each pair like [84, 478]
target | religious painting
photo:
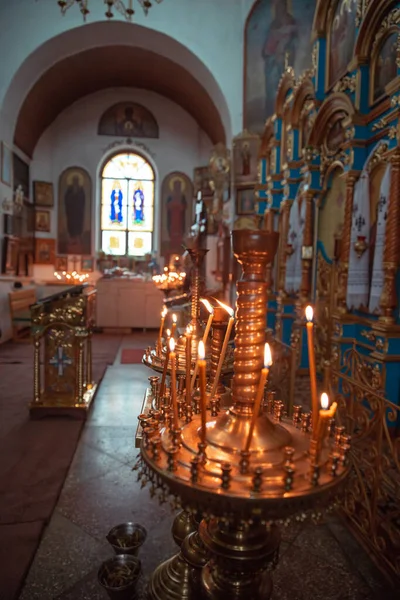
[129, 120]
[202, 182]
[385, 67]
[87, 263]
[307, 122]
[342, 36]
[336, 134]
[61, 263]
[43, 193]
[331, 214]
[245, 201]
[42, 220]
[11, 252]
[74, 212]
[176, 216]
[275, 30]
[21, 175]
[245, 158]
[44, 251]
[6, 164]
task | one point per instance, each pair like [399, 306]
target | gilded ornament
[395, 101]
[380, 124]
[393, 18]
[346, 84]
[314, 57]
[378, 156]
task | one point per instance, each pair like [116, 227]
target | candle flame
[201, 350]
[207, 305]
[188, 330]
[164, 312]
[267, 356]
[227, 308]
[324, 401]
[174, 318]
[168, 333]
[309, 313]
[172, 344]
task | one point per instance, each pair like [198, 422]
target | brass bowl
[255, 242]
[132, 534]
[109, 569]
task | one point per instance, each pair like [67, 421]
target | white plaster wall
[211, 33]
[72, 140]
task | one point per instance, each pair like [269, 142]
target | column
[343, 266]
[388, 301]
[308, 239]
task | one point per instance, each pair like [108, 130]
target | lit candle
[201, 363]
[188, 364]
[325, 414]
[164, 375]
[198, 195]
[224, 347]
[163, 315]
[172, 357]
[260, 393]
[313, 371]
[174, 319]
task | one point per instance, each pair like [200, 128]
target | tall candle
[205, 336]
[260, 394]
[164, 375]
[174, 319]
[172, 357]
[313, 370]
[188, 364]
[224, 348]
[163, 315]
[203, 396]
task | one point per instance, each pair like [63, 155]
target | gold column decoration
[388, 301]
[343, 266]
[284, 228]
[219, 325]
[269, 226]
[305, 286]
[36, 370]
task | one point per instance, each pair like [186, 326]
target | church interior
[199, 300]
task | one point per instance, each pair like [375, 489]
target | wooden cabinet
[128, 303]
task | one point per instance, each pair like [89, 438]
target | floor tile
[66, 554]
[118, 442]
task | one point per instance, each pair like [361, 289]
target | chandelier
[119, 5]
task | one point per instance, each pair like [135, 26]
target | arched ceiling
[98, 68]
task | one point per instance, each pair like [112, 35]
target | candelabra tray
[156, 363]
[259, 492]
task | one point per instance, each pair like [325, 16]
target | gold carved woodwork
[283, 234]
[220, 166]
[314, 58]
[393, 18]
[325, 301]
[347, 83]
[378, 156]
[308, 238]
[362, 6]
[388, 301]
[371, 500]
[343, 266]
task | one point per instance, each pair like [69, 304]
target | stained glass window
[127, 205]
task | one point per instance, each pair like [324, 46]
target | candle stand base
[243, 558]
[178, 577]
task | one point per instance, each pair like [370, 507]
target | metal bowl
[110, 567]
[127, 538]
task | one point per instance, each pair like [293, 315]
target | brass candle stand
[241, 497]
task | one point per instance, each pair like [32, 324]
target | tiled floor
[317, 562]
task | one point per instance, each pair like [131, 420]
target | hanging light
[122, 6]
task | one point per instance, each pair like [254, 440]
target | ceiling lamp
[119, 5]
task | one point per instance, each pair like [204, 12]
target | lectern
[61, 332]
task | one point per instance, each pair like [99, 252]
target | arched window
[127, 205]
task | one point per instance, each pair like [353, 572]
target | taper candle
[203, 395]
[260, 394]
[325, 414]
[165, 369]
[313, 370]
[224, 347]
[172, 357]
[205, 336]
[163, 315]
[188, 363]
[174, 319]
